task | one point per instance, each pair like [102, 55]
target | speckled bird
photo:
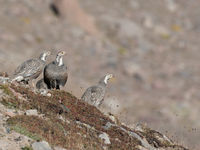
[94, 95]
[30, 69]
[55, 73]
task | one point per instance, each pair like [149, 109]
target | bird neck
[102, 84]
[43, 57]
[103, 81]
[59, 60]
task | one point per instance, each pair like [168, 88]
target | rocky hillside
[66, 122]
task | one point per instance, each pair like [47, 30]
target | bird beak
[112, 78]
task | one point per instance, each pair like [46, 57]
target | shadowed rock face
[66, 121]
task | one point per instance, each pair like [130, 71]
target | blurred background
[151, 46]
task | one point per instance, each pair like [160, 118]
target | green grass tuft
[25, 132]
[26, 148]
[6, 90]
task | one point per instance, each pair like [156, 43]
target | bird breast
[53, 71]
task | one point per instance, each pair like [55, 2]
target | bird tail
[16, 78]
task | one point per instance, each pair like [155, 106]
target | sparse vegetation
[26, 148]
[71, 123]
[6, 89]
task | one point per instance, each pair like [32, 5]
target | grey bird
[94, 95]
[41, 85]
[30, 69]
[55, 73]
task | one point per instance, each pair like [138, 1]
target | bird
[30, 69]
[55, 73]
[94, 95]
[41, 85]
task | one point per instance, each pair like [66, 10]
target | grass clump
[27, 148]
[24, 131]
[9, 103]
[6, 89]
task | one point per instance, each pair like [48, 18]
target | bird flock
[55, 75]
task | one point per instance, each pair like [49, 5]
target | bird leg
[33, 84]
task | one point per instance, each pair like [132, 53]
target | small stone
[41, 146]
[18, 139]
[134, 4]
[31, 112]
[131, 68]
[162, 31]
[4, 80]
[171, 5]
[148, 22]
[10, 113]
[108, 126]
[59, 148]
[104, 136]
[129, 29]
[7, 130]
[49, 94]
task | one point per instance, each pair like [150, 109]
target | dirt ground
[151, 47]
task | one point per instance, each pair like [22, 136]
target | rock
[104, 136]
[4, 80]
[41, 146]
[31, 112]
[133, 69]
[162, 31]
[10, 113]
[134, 4]
[129, 29]
[148, 21]
[171, 5]
[59, 148]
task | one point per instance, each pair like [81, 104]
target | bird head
[108, 77]
[59, 58]
[44, 55]
[61, 53]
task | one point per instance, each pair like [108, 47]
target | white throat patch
[106, 79]
[59, 59]
[44, 57]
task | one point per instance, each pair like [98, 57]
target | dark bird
[41, 85]
[94, 95]
[55, 73]
[30, 69]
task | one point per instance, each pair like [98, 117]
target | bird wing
[28, 68]
[97, 95]
[93, 94]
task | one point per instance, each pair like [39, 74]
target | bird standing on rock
[30, 69]
[55, 73]
[94, 95]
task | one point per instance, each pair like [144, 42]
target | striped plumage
[55, 73]
[94, 95]
[30, 69]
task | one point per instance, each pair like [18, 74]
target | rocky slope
[69, 123]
